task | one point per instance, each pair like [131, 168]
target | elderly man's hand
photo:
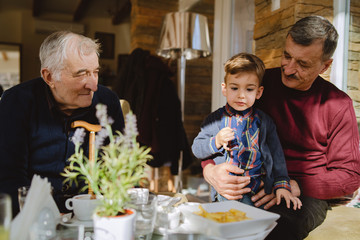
[269, 200]
[229, 186]
[262, 198]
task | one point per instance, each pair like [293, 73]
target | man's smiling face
[78, 81]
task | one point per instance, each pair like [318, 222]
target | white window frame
[222, 48]
[339, 68]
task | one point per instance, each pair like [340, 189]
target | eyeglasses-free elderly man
[35, 116]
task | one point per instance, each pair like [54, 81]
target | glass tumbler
[22, 193]
[145, 217]
[5, 216]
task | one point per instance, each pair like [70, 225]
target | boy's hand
[269, 200]
[223, 137]
[288, 196]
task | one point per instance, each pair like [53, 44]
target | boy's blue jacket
[269, 143]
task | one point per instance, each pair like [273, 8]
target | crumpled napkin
[38, 199]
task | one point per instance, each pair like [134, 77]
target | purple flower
[100, 137]
[101, 114]
[110, 121]
[130, 125]
[130, 131]
[78, 137]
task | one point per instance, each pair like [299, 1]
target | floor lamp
[184, 36]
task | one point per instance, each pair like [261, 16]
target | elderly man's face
[302, 64]
[78, 82]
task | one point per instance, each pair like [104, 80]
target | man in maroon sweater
[317, 127]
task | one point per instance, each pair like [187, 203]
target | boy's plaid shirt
[245, 152]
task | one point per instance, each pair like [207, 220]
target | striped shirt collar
[232, 112]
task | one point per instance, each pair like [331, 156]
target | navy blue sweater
[35, 136]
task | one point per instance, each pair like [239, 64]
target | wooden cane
[92, 128]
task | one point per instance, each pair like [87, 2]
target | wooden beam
[122, 13]
[37, 8]
[81, 10]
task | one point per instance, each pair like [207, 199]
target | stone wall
[353, 80]
[271, 28]
[146, 21]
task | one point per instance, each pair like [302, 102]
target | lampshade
[184, 33]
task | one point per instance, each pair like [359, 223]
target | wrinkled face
[241, 90]
[78, 82]
[301, 65]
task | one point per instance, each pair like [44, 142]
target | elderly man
[36, 115]
[316, 125]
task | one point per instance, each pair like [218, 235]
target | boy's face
[241, 90]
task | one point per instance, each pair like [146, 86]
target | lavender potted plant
[119, 166]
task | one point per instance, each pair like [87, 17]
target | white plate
[74, 222]
[256, 236]
[259, 223]
[183, 234]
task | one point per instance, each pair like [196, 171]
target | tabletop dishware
[5, 216]
[260, 220]
[83, 206]
[145, 204]
[71, 221]
[22, 193]
[167, 219]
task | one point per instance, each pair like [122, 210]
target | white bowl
[260, 221]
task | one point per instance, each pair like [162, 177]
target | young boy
[244, 136]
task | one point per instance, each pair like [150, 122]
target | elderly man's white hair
[54, 50]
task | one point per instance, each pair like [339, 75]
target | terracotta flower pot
[116, 228]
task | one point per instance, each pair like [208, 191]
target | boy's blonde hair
[245, 62]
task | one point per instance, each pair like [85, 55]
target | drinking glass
[22, 193]
[145, 216]
[5, 216]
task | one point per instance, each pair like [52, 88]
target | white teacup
[83, 206]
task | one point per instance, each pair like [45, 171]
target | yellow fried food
[233, 215]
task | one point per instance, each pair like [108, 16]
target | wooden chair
[125, 106]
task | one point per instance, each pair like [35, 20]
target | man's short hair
[54, 49]
[245, 63]
[311, 28]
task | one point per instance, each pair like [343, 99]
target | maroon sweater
[318, 131]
